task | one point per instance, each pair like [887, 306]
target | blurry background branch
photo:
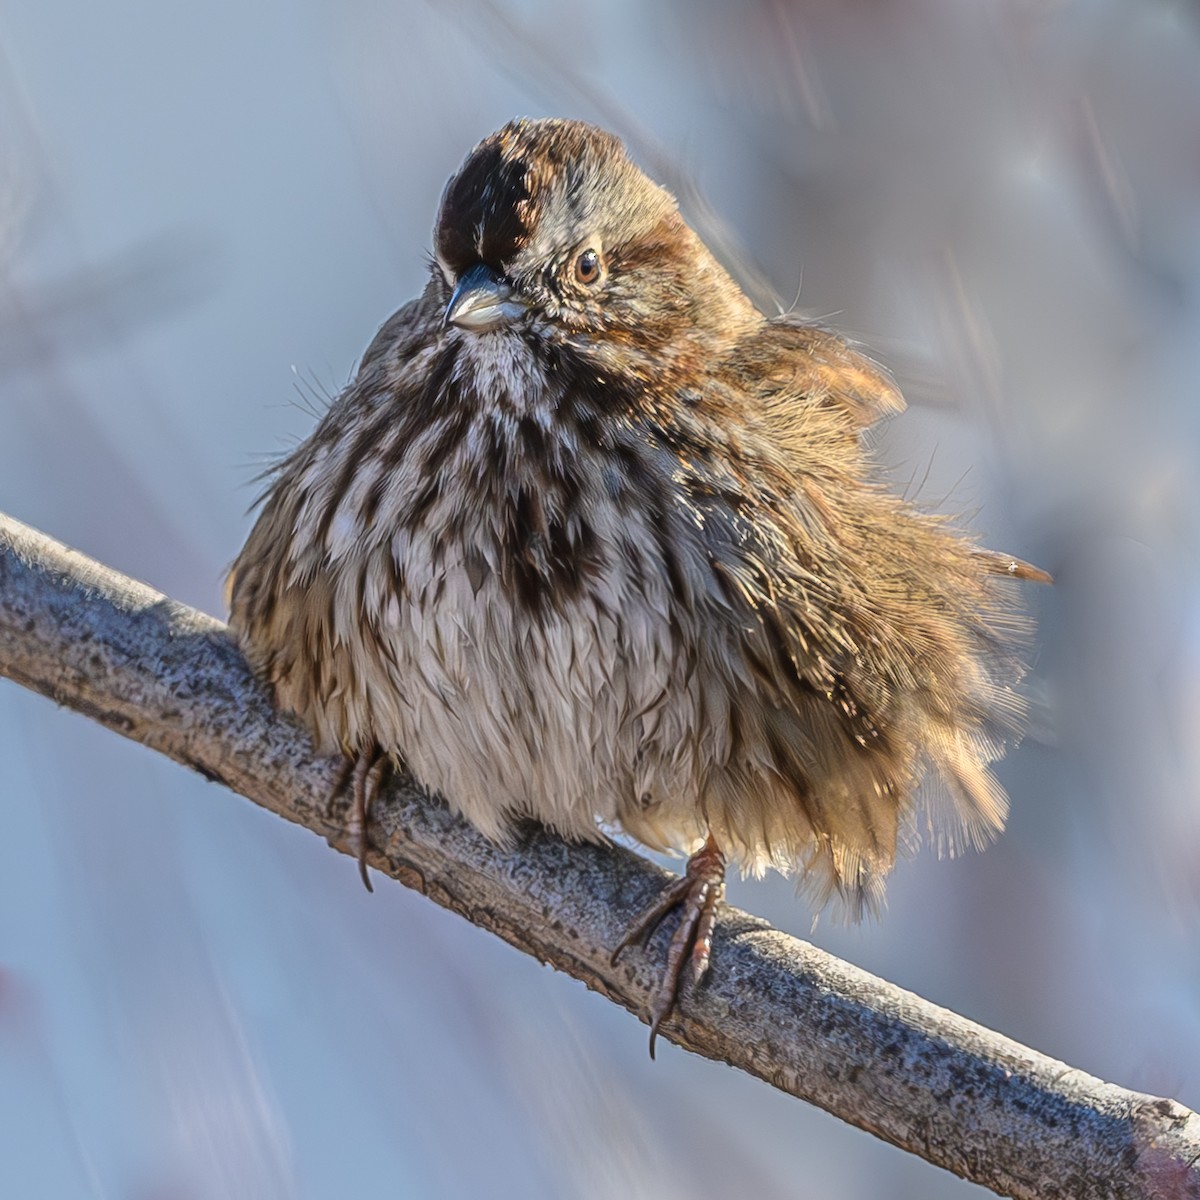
[880, 1058]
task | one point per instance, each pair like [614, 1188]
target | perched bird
[591, 540]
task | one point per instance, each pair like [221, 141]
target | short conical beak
[483, 300]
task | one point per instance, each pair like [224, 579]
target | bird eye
[587, 267]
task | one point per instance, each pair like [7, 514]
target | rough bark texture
[881, 1058]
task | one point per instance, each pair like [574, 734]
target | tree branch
[881, 1058]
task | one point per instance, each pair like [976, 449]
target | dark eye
[587, 267]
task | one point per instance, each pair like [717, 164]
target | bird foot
[363, 771]
[698, 892]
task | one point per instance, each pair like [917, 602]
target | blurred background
[205, 213]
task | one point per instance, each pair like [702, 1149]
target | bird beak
[483, 300]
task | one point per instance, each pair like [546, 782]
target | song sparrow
[589, 539]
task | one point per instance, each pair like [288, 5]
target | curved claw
[699, 891]
[364, 773]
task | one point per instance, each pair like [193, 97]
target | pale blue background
[205, 213]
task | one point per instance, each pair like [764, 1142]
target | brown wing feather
[800, 358]
[886, 641]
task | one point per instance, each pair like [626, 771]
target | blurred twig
[916, 1075]
[93, 307]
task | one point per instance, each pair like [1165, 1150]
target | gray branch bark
[881, 1058]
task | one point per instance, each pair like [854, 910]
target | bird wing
[801, 358]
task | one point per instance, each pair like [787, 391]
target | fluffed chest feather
[520, 650]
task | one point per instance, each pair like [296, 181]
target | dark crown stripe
[483, 213]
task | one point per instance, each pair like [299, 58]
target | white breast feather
[507, 712]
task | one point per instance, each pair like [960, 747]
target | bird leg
[363, 771]
[698, 892]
